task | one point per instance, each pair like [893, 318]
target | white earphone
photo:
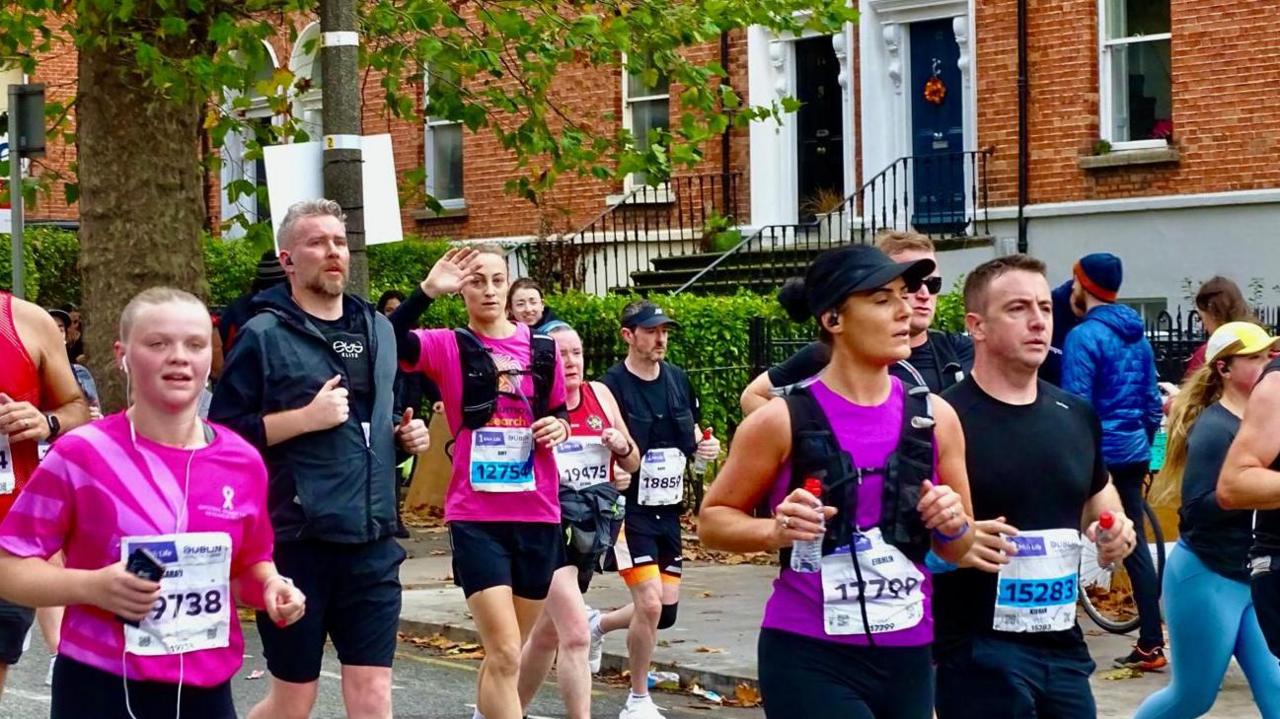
[124, 364]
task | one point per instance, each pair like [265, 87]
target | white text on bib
[1036, 591]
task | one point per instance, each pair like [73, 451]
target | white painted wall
[1159, 247]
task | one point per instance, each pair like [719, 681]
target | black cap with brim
[859, 269]
[649, 316]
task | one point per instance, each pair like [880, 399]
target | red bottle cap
[1106, 520]
[706, 433]
[813, 486]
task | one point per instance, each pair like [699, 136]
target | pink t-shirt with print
[438, 359]
[96, 487]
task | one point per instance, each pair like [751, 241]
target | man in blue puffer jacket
[1107, 360]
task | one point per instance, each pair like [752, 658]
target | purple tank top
[869, 435]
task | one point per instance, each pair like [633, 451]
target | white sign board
[295, 172]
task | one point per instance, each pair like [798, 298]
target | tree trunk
[133, 234]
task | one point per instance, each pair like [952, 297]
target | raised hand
[450, 272]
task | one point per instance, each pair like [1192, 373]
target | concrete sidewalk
[714, 640]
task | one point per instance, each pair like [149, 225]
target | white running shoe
[640, 709]
[596, 651]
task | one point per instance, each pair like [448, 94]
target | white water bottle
[700, 464]
[806, 554]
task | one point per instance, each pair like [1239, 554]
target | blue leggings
[1210, 618]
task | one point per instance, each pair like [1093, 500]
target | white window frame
[237, 168]
[429, 124]
[303, 64]
[628, 123]
[1106, 103]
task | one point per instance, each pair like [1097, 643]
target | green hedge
[713, 343]
[53, 277]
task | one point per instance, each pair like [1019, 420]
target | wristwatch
[54, 425]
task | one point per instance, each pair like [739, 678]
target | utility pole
[26, 139]
[343, 162]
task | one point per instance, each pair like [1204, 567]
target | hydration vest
[641, 417]
[480, 377]
[815, 452]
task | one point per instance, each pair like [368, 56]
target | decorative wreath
[934, 90]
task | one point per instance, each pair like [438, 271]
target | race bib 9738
[194, 609]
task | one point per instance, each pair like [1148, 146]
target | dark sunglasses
[933, 284]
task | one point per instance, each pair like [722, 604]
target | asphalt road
[427, 686]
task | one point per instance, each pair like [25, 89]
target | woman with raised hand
[504, 396]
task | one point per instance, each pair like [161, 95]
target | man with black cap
[1107, 360]
[661, 411]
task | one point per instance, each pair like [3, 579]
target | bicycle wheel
[1107, 594]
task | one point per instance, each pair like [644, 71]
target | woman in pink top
[502, 505]
[156, 485]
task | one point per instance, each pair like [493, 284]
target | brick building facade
[1150, 131]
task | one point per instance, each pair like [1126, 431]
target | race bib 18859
[662, 477]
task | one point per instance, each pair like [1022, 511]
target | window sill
[1125, 158]
[451, 212]
[648, 196]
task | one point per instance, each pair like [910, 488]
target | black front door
[937, 129]
[820, 123]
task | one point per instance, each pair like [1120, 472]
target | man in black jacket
[310, 383]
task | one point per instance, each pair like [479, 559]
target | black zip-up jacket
[329, 485]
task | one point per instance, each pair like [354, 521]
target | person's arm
[952, 535]
[1247, 480]
[1078, 365]
[757, 394]
[629, 462]
[800, 366]
[445, 278]
[60, 393]
[761, 446]
[1155, 402]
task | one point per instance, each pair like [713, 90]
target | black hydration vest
[480, 377]
[815, 452]
[641, 417]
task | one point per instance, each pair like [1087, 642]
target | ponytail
[1201, 389]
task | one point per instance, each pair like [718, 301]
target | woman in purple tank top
[847, 632]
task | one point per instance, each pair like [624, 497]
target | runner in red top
[598, 440]
[39, 399]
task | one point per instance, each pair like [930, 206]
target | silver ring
[951, 513]
[785, 521]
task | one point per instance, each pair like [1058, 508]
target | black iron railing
[943, 196]
[684, 215]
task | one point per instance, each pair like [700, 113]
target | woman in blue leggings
[1206, 583]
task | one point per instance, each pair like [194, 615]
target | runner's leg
[1259, 665]
[642, 635]
[560, 635]
[1142, 572]
[498, 624]
[1204, 611]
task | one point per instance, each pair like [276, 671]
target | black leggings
[801, 677]
[81, 691]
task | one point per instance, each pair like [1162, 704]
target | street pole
[15, 197]
[343, 161]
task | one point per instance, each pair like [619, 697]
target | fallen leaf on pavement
[747, 695]
[1116, 675]
[709, 650]
[707, 594]
[438, 552]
